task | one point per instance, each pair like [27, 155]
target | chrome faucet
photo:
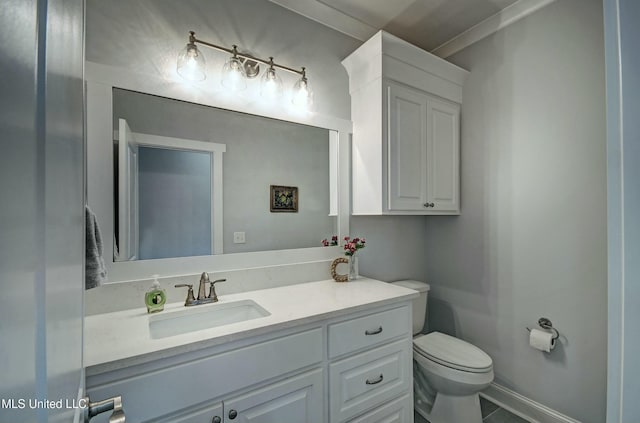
[203, 298]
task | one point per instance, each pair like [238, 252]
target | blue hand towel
[95, 270]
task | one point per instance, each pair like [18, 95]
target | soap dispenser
[155, 297]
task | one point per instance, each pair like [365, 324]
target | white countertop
[121, 339]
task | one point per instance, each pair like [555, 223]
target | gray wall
[531, 240]
[146, 36]
[260, 152]
[42, 207]
[396, 246]
[623, 171]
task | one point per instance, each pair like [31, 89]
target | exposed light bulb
[233, 76]
[191, 63]
[271, 84]
[302, 93]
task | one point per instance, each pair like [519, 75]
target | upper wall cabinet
[405, 108]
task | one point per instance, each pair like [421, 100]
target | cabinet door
[211, 414]
[406, 148]
[298, 399]
[443, 156]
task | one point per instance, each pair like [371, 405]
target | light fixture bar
[233, 51]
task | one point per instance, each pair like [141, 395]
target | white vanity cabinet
[405, 108]
[233, 382]
[371, 362]
[354, 367]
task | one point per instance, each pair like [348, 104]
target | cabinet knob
[426, 204]
[216, 419]
[233, 414]
[429, 205]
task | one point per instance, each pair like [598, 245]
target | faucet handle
[212, 290]
[190, 298]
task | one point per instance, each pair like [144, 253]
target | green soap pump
[155, 297]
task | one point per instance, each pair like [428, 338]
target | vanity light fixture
[240, 67]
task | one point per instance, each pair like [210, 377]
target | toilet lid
[452, 352]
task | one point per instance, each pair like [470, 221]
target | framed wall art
[284, 199]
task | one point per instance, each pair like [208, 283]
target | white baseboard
[522, 406]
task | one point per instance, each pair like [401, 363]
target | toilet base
[451, 409]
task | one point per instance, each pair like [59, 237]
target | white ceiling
[425, 23]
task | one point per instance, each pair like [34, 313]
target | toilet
[448, 372]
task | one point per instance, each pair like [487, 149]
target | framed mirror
[180, 186]
[196, 180]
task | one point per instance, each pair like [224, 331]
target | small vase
[353, 268]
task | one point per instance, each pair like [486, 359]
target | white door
[42, 209]
[127, 193]
[443, 157]
[407, 144]
[298, 399]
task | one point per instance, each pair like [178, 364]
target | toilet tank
[419, 304]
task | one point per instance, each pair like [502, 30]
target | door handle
[94, 408]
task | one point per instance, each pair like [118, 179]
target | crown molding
[491, 25]
[330, 17]
[333, 18]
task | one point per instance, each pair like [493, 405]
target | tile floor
[491, 413]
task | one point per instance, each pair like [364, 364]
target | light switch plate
[238, 238]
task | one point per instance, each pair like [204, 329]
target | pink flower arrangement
[350, 245]
[353, 245]
[334, 241]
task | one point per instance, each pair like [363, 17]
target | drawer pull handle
[373, 332]
[375, 382]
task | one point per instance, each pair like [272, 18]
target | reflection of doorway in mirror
[169, 193]
[174, 210]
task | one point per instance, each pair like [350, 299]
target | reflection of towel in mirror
[95, 270]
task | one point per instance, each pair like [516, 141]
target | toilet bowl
[448, 372]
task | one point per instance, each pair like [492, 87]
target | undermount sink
[204, 317]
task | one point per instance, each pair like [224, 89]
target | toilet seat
[452, 352]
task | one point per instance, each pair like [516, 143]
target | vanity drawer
[195, 382]
[361, 382]
[367, 331]
[397, 411]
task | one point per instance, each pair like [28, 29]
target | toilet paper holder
[545, 323]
